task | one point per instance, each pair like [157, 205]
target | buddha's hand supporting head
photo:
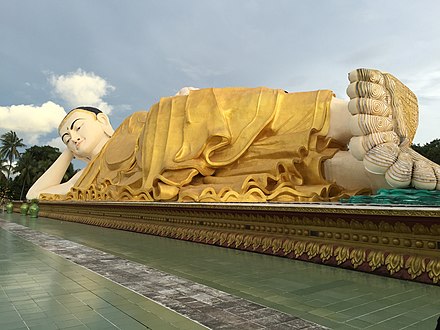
[85, 131]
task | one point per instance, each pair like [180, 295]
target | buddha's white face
[84, 133]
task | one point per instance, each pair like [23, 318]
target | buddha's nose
[75, 137]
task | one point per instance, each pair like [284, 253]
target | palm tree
[25, 166]
[3, 170]
[9, 148]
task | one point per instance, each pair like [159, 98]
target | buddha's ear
[105, 122]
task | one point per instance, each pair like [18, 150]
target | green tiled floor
[39, 290]
[329, 296]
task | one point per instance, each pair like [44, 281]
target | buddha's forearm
[52, 176]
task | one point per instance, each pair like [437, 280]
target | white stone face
[84, 134]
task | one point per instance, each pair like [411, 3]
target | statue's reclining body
[247, 144]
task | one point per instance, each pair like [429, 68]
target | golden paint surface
[226, 144]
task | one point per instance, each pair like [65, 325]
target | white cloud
[37, 124]
[30, 121]
[82, 88]
[426, 84]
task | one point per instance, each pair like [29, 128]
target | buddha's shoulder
[139, 116]
[133, 123]
[135, 118]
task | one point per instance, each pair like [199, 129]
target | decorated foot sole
[384, 122]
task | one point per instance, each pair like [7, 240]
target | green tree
[3, 169]
[5, 194]
[430, 150]
[4, 191]
[25, 168]
[10, 143]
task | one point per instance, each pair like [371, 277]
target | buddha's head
[85, 130]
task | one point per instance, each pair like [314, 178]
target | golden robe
[218, 144]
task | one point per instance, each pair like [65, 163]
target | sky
[123, 56]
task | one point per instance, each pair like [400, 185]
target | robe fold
[218, 145]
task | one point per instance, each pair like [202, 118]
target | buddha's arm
[50, 181]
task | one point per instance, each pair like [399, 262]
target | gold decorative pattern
[435, 229]
[433, 269]
[401, 228]
[216, 237]
[405, 107]
[357, 257]
[232, 238]
[394, 262]
[312, 249]
[415, 266]
[288, 246]
[376, 259]
[266, 243]
[223, 238]
[406, 248]
[420, 229]
[300, 248]
[216, 210]
[342, 254]
[239, 238]
[247, 241]
[276, 245]
[256, 242]
[326, 252]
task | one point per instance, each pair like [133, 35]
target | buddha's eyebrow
[73, 123]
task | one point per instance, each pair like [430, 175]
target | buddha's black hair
[91, 109]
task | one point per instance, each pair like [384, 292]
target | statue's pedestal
[397, 241]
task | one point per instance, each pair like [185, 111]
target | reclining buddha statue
[247, 144]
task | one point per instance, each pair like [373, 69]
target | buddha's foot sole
[384, 122]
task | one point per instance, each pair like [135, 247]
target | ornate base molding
[402, 242]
